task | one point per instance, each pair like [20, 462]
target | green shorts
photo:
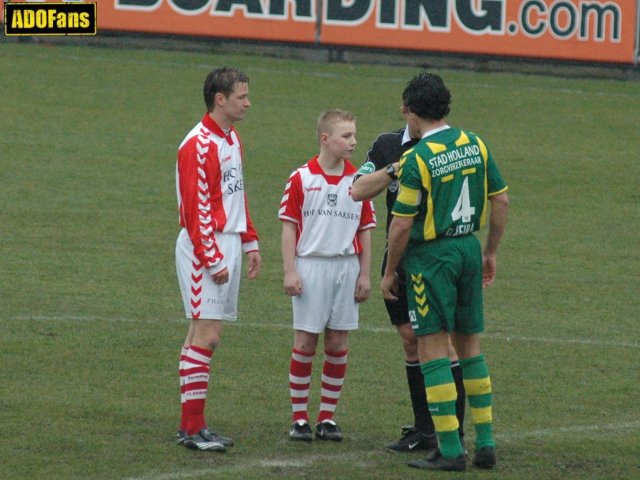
[444, 285]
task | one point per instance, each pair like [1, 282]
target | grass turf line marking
[282, 462]
[364, 328]
[356, 455]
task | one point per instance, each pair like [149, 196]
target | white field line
[358, 456]
[363, 327]
[361, 456]
[297, 462]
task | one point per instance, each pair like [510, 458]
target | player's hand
[221, 277]
[363, 288]
[488, 270]
[254, 264]
[292, 284]
[389, 286]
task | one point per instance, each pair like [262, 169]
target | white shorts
[202, 298]
[328, 294]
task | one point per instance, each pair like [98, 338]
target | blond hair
[329, 118]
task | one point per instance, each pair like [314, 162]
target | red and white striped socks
[333, 373]
[183, 416]
[194, 383]
[299, 383]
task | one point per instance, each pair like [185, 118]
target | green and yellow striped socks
[441, 396]
[477, 384]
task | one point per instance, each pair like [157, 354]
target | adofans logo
[50, 19]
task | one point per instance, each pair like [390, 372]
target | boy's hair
[221, 80]
[427, 96]
[329, 118]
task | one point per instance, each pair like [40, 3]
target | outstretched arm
[368, 186]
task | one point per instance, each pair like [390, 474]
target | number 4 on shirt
[463, 208]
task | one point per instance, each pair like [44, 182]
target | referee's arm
[365, 187]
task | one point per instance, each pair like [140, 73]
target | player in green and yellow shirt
[447, 182]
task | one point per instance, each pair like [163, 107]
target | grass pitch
[91, 319]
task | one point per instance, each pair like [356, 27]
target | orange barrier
[212, 18]
[603, 31]
[584, 30]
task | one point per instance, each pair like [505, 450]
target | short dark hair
[221, 80]
[427, 96]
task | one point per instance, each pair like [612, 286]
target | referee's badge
[332, 199]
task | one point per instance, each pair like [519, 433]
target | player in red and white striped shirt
[326, 249]
[216, 230]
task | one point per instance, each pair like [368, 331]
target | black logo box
[50, 19]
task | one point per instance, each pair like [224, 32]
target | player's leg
[333, 374]
[196, 376]
[344, 316]
[310, 314]
[206, 304]
[182, 430]
[441, 395]
[431, 295]
[469, 324]
[478, 386]
[441, 391]
[195, 360]
[421, 435]
[300, 367]
[422, 417]
[456, 371]
[183, 256]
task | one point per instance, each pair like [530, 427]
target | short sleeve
[292, 200]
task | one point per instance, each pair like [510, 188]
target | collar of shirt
[211, 124]
[406, 138]
[316, 169]
[435, 130]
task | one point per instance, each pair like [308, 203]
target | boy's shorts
[328, 294]
[202, 298]
[444, 286]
